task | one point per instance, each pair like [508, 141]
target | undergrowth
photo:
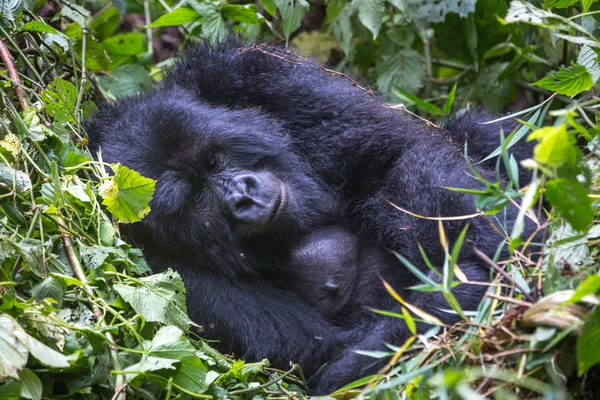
[82, 316]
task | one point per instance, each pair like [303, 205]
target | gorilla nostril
[243, 204]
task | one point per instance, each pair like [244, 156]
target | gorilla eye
[212, 161]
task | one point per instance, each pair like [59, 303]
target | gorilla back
[273, 201]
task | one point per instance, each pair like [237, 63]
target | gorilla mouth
[280, 202]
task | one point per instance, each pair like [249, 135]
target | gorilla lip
[280, 202]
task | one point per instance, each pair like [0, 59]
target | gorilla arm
[256, 320]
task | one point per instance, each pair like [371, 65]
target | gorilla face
[228, 184]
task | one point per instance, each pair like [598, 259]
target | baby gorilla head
[228, 185]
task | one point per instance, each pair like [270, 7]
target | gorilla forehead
[154, 127]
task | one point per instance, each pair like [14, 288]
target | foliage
[81, 315]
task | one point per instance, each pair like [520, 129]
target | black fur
[297, 286]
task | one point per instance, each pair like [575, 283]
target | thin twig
[502, 272]
[12, 72]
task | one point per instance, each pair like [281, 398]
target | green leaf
[49, 288]
[431, 108]
[13, 353]
[587, 4]
[370, 14]
[410, 322]
[292, 12]
[270, 7]
[177, 17]
[591, 285]
[59, 99]
[126, 80]
[169, 342]
[556, 146]
[127, 194]
[76, 13]
[571, 199]
[159, 298]
[403, 68]
[148, 364]
[246, 14]
[589, 59]
[559, 3]
[567, 81]
[38, 26]
[124, 48]
[450, 100]
[31, 386]
[588, 345]
[192, 375]
[14, 178]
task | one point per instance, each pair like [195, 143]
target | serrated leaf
[292, 12]
[403, 69]
[177, 17]
[31, 386]
[588, 344]
[49, 288]
[559, 3]
[59, 99]
[556, 147]
[567, 81]
[213, 23]
[127, 194]
[160, 298]
[370, 14]
[571, 199]
[589, 59]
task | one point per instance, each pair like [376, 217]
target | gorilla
[274, 184]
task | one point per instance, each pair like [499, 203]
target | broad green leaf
[31, 251]
[589, 59]
[403, 69]
[292, 12]
[568, 81]
[13, 353]
[148, 364]
[243, 13]
[124, 48]
[59, 100]
[49, 288]
[170, 342]
[76, 13]
[192, 375]
[160, 298]
[31, 386]
[587, 4]
[588, 344]
[9, 10]
[106, 23]
[38, 26]
[556, 147]
[127, 194]
[270, 7]
[571, 199]
[559, 3]
[370, 13]
[213, 24]
[126, 80]
[177, 17]
[591, 285]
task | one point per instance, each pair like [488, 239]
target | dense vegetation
[82, 316]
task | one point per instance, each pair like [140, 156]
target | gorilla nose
[254, 198]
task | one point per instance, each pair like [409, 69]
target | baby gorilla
[272, 201]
